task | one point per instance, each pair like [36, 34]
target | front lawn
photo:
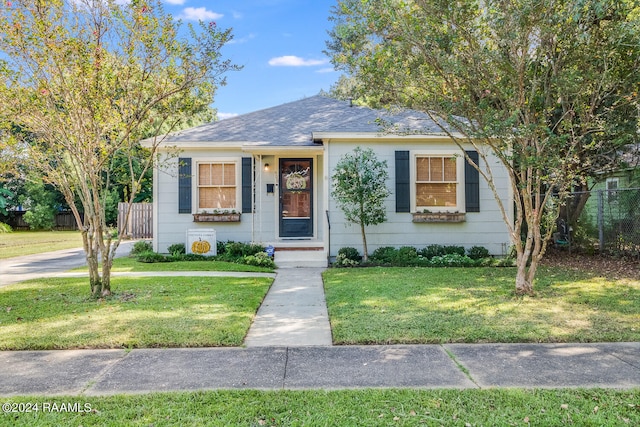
[448, 305]
[495, 407]
[143, 312]
[19, 243]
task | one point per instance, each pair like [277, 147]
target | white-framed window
[437, 182]
[217, 186]
[612, 187]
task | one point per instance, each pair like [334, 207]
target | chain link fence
[604, 221]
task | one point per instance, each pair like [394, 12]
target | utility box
[201, 241]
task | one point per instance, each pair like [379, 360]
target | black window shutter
[184, 185]
[403, 184]
[246, 186]
[472, 183]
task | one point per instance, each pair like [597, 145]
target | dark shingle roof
[292, 124]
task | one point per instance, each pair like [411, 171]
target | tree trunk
[365, 256]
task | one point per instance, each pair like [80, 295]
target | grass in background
[406, 407]
[143, 312]
[130, 264]
[19, 243]
[449, 305]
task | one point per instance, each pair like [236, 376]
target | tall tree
[359, 187]
[545, 86]
[86, 80]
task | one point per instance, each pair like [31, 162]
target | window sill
[439, 217]
[216, 217]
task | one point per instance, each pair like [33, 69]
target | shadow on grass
[396, 305]
[143, 312]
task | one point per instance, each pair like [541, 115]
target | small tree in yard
[360, 190]
[82, 82]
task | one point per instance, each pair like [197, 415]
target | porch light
[266, 167]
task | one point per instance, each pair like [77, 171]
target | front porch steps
[300, 257]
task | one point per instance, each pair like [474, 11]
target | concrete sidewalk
[461, 366]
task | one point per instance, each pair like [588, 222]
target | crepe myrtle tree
[359, 188]
[549, 88]
[82, 82]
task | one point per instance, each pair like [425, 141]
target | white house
[265, 177]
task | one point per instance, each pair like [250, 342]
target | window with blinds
[217, 186]
[436, 181]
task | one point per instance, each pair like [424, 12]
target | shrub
[40, 217]
[478, 252]
[454, 250]
[5, 228]
[406, 255]
[452, 260]
[190, 257]
[239, 250]
[384, 255]
[151, 257]
[140, 247]
[343, 261]
[350, 253]
[432, 251]
[177, 249]
[221, 247]
[260, 259]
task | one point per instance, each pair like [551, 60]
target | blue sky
[279, 43]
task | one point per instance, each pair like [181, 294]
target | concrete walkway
[460, 366]
[293, 313]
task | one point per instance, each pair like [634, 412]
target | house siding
[484, 228]
[260, 226]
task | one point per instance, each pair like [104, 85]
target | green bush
[5, 228]
[384, 255]
[140, 247]
[238, 249]
[350, 253]
[191, 257]
[151, 257]
[40, 217]
[260, 259]
[406, 255]
[452, 260]
[454, 250]
[177, 249]
[478, 252]
[347, 257]
[431, 251]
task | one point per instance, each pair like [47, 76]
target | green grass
[143, 312]
[20, 243]
[440, 305]
[128, 264]
[496, 407]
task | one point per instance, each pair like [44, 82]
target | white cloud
[178, 2]
[326, 70]
[199, 14]
[222, 116]
[244, 39]
[295, 61]
[237, 15]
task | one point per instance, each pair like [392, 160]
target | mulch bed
[607, 266]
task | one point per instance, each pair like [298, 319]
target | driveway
[18, 269]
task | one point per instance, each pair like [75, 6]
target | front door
[296, 197]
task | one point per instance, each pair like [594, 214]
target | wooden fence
[64, 221]
[140, 225]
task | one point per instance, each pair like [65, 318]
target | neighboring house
[265, 177]
[614, 202]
